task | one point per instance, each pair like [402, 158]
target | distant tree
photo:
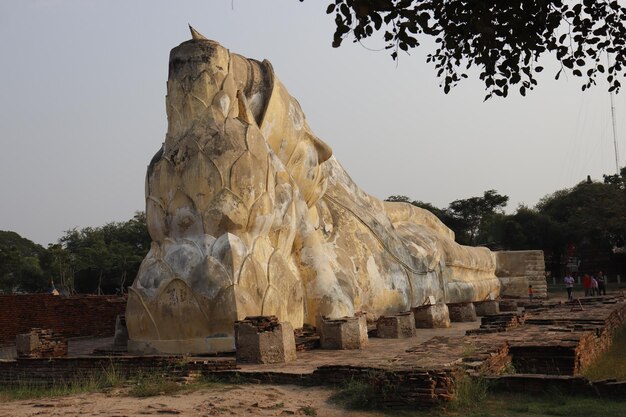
[398, 199]
[590, 213]
[61, 266]
[472, 214]
[20, 268]
[101, 260]
[502, 39]
[526, 229]
[615, 179]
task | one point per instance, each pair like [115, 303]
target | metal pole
[608, 58]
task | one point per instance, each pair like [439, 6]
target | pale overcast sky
[82, 110]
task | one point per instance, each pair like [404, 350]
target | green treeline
[585, 225]
[95, 260]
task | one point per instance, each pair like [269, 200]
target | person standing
[601, 283]
[594, 286]
[530, 293]
[569, 286]
[587, 284]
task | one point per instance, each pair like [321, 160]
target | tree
[526, 229]
[101, 259]
[615, 179]
[591, 214]
[20, 268]
[473, 212]
[503, 39]
[61, 267]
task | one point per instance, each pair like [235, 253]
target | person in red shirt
[530, 293]
[587, 284]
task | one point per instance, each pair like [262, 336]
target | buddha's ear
[324, 151]
[245, 115]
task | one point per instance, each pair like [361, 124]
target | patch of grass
[25, 391]
[226, 380]
[308, 411]
[150, 385]
[509, 369]
[469, 392]
[112, 377]
[611, 364]
[525, 405]
[551, 405]
[469, 350]
[356, 395]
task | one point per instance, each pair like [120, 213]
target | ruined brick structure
[68, 316]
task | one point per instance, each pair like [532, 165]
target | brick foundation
[49, 371]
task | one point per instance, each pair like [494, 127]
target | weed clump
[469, 392]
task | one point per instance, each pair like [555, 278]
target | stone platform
[550, 341]
[553, 338]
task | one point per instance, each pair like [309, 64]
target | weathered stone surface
[485, 308]
[120, 339]
[264, 340]
[431, 316]
[344, 333]
[250, 214]
[26, 343]
[508, 305]
[516, 270]
[398, 326]
[462, 312]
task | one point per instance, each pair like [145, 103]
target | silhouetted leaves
[502, 39]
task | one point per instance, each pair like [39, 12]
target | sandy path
[222, 400]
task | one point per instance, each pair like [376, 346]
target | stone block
[431, 316]
[121, 332]
[398, 326]
[462, 312]
[40, 343]
[256, 341]
[508, 305]
[516, 270]
[26, 343]
[486, 308]
[344, 333]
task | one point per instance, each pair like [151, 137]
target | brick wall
[71, 316]
[48, 371]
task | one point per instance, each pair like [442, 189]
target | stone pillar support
[398, 326]
[487, 308]
[431, 316]
[462, 312]
[344, 333]
[262, 339]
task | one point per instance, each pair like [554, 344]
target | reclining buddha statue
[251, 214]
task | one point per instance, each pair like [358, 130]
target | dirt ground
[221, 400]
